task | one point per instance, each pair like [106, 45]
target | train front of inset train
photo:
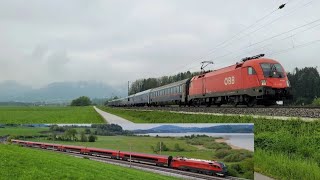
[181, 163]
[253, 81]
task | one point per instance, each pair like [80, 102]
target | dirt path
[112, 119]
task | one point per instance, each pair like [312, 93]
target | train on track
[253, 81]
[181, 163]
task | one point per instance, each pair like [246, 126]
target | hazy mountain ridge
[212, 129]
[54, 92]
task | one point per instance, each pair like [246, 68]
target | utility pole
[128, 87]
[130, 153]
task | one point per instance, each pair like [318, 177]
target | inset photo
[152, 151]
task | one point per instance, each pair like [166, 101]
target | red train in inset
[253, 81]
[181, 163]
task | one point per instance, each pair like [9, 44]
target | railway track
[279, 111]
[143, 166]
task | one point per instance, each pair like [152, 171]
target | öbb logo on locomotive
[253, 81]
[229, 80]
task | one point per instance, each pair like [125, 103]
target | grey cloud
[116, 41]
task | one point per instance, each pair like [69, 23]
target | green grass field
[22, 131]
[43, 115]
[139, 116]
[23, 163]
[282, 166]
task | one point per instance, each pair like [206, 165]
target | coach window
[251, 71]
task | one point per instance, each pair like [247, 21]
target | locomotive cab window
[251, 71]
[272, 70]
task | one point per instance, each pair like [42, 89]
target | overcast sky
[116, 41]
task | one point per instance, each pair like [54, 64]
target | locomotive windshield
[272, 70]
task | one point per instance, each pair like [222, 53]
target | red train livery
[254, 80]
[195, 165]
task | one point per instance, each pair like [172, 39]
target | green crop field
[284, 149]
[22, 131]
[139, 116]
[23, 163]
[43, 115]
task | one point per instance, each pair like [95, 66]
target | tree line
[305, 86]
[145, 84]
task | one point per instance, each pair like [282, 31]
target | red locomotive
[195, 165]
[254, 80]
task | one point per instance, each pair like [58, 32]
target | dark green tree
[81, 101]
[71, 134]
[92, 138]
[83, 137]
[87, 131]
[305, 84]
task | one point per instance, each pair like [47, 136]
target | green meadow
[24, 163]
[22, 131]
[43, 115]
[139, 116]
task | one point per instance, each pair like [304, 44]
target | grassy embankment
[138, 116]
[22, 131]
[43, 115]
[283, 149]
[22, 163]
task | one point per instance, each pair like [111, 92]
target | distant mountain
[57, 92]
[212, 129]
[10, 90]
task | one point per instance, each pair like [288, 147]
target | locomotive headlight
[288, 83]
[263, 82]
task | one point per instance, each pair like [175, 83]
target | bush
[216, 145]
[83, 137]
[221, 153]
[238, 155]
[316, 102]
[177, 148]
[81, 101]
[92, 138]
[157, 148]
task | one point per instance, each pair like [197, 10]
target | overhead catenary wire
[245, 29]
[272, 37]
[264, 25]
[290, 36]
[295, 47]
[252, 25]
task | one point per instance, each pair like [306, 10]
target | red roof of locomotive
[244, 64]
